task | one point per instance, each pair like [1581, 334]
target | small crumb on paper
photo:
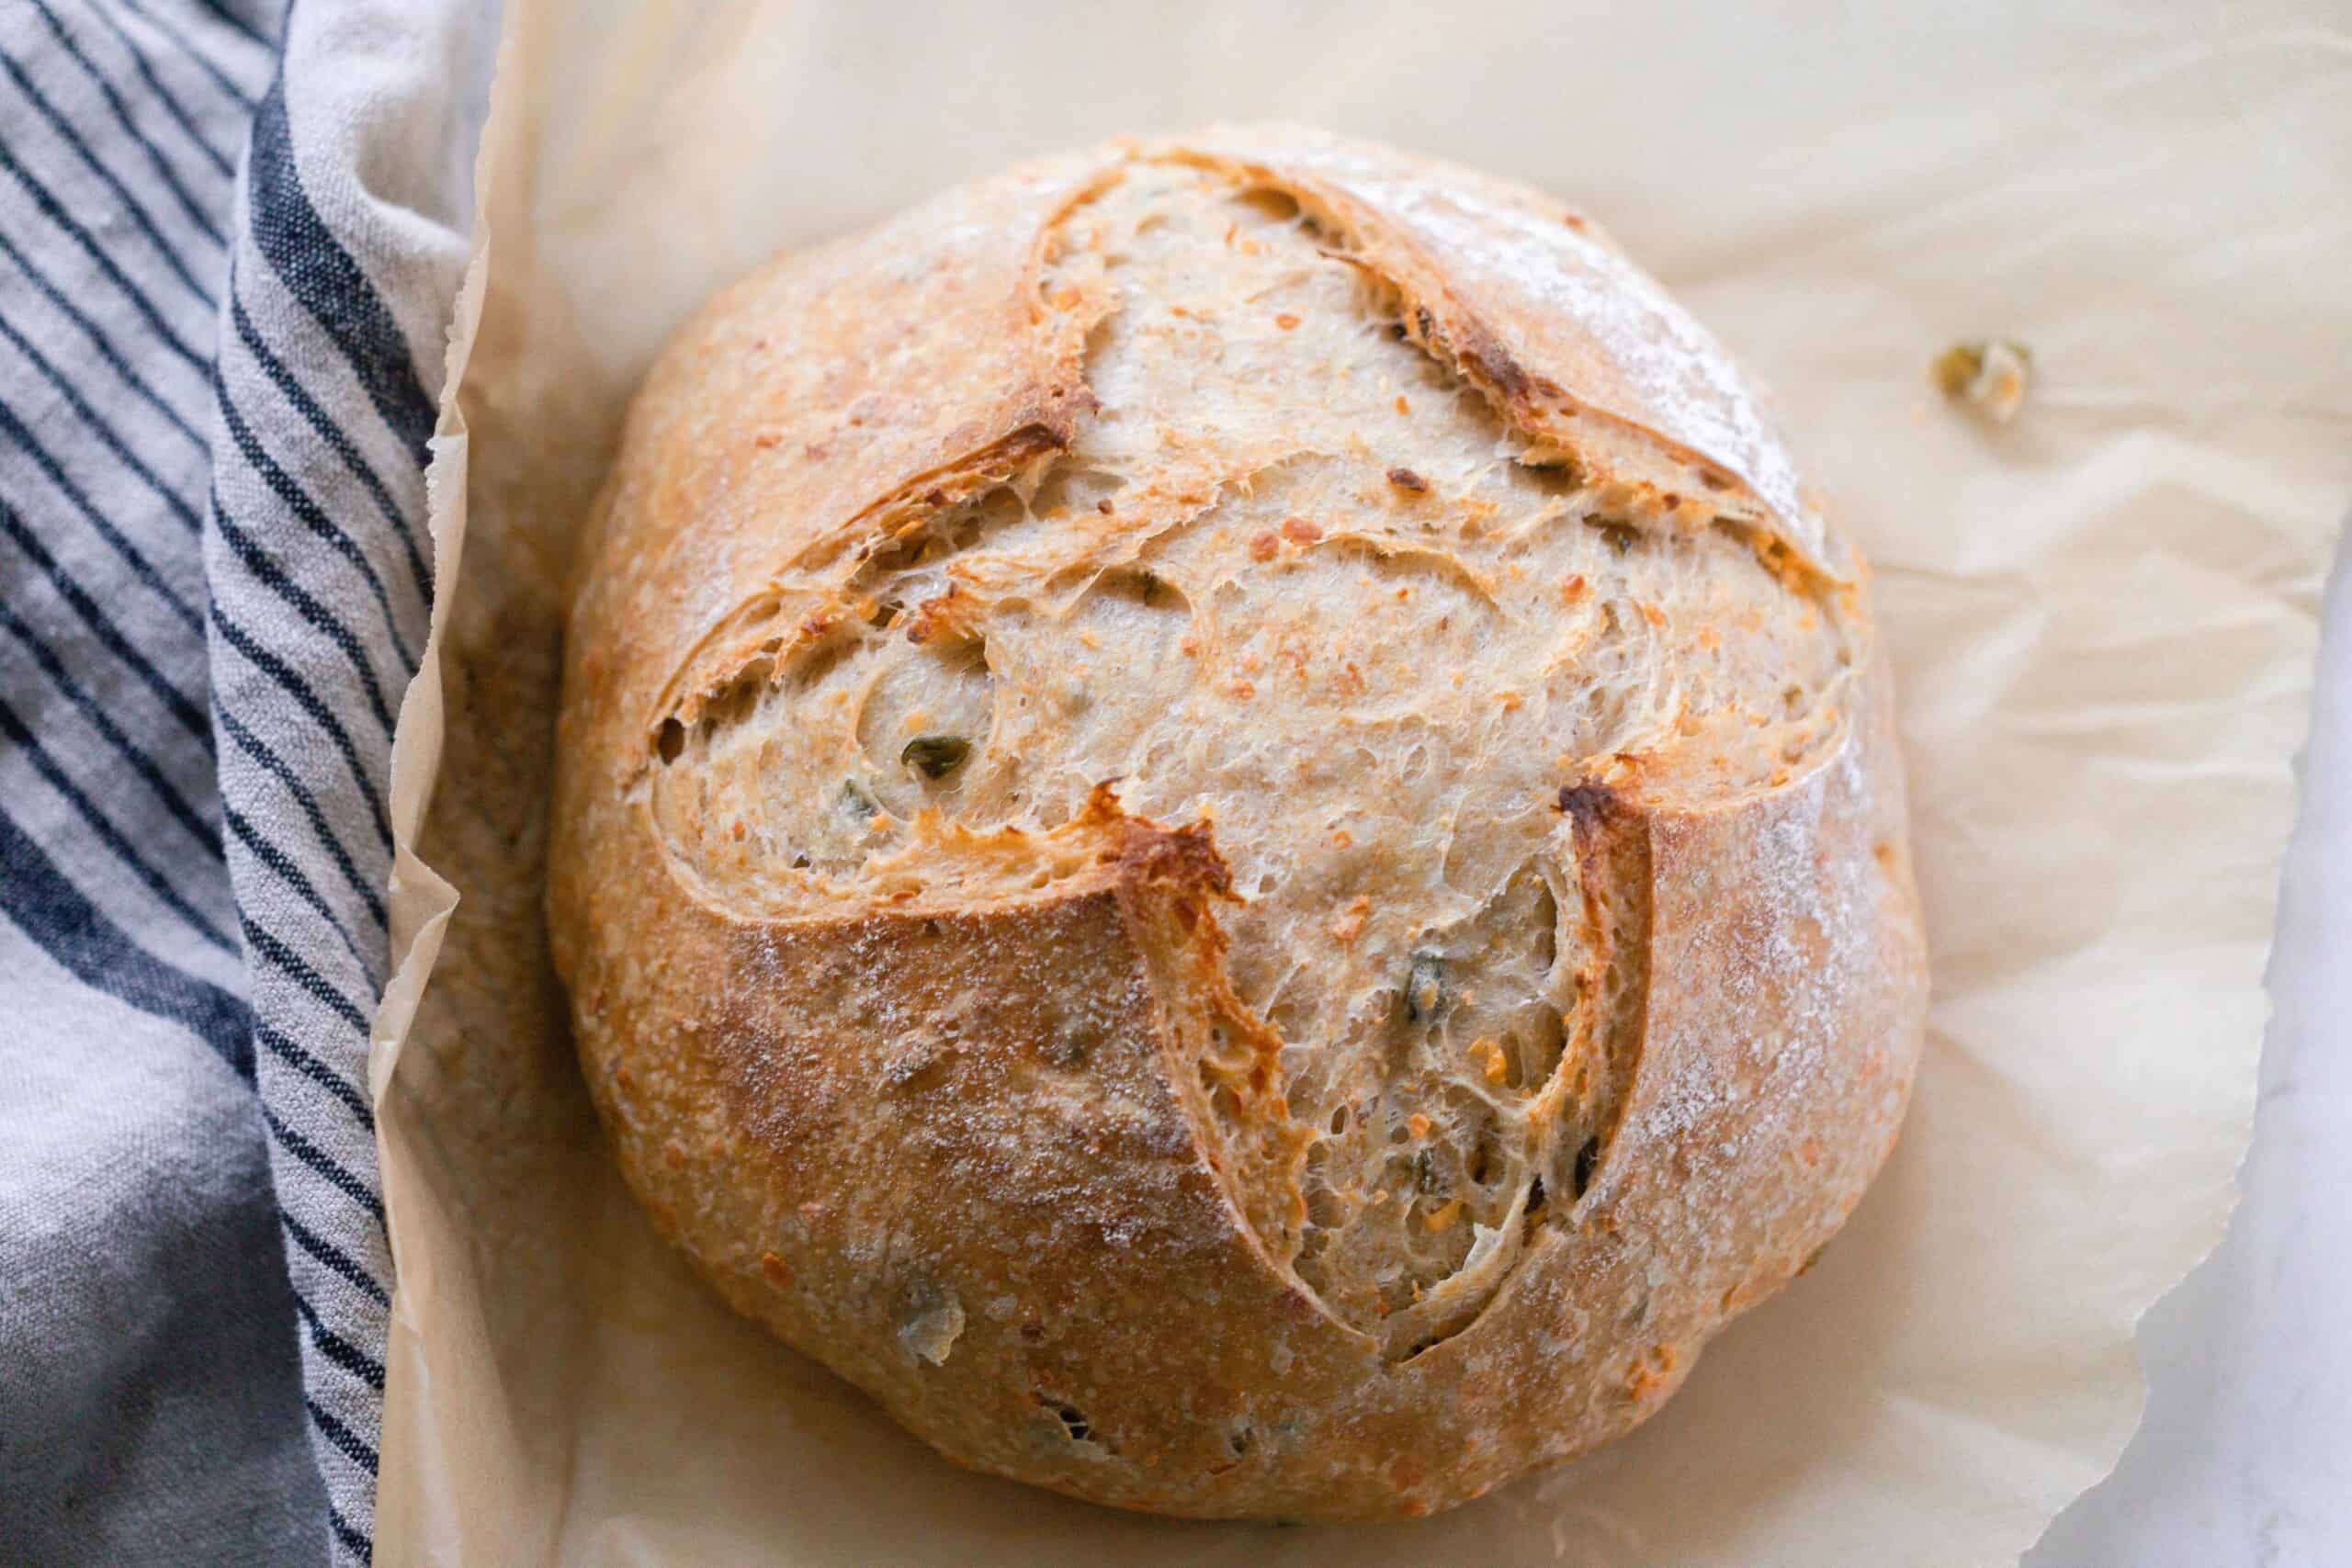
[1990, 376]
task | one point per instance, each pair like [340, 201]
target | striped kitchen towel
[230, 239]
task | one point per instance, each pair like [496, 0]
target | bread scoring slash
[1226, 826]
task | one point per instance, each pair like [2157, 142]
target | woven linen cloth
[230, 235]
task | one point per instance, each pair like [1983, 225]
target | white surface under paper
[2102, 619]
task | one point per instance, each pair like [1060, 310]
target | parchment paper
[2103, 619]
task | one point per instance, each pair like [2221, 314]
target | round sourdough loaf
[1226, 826]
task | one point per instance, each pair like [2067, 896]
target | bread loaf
[1228, 827]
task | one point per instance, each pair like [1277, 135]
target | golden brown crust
[822, 402]
[1532, 302]
[951, 1139]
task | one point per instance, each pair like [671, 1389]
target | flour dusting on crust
[1228, 827]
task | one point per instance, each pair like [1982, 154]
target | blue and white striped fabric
[229, 238]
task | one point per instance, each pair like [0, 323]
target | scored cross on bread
[1226, 826]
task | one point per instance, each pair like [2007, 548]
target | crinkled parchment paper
[2103, 618]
